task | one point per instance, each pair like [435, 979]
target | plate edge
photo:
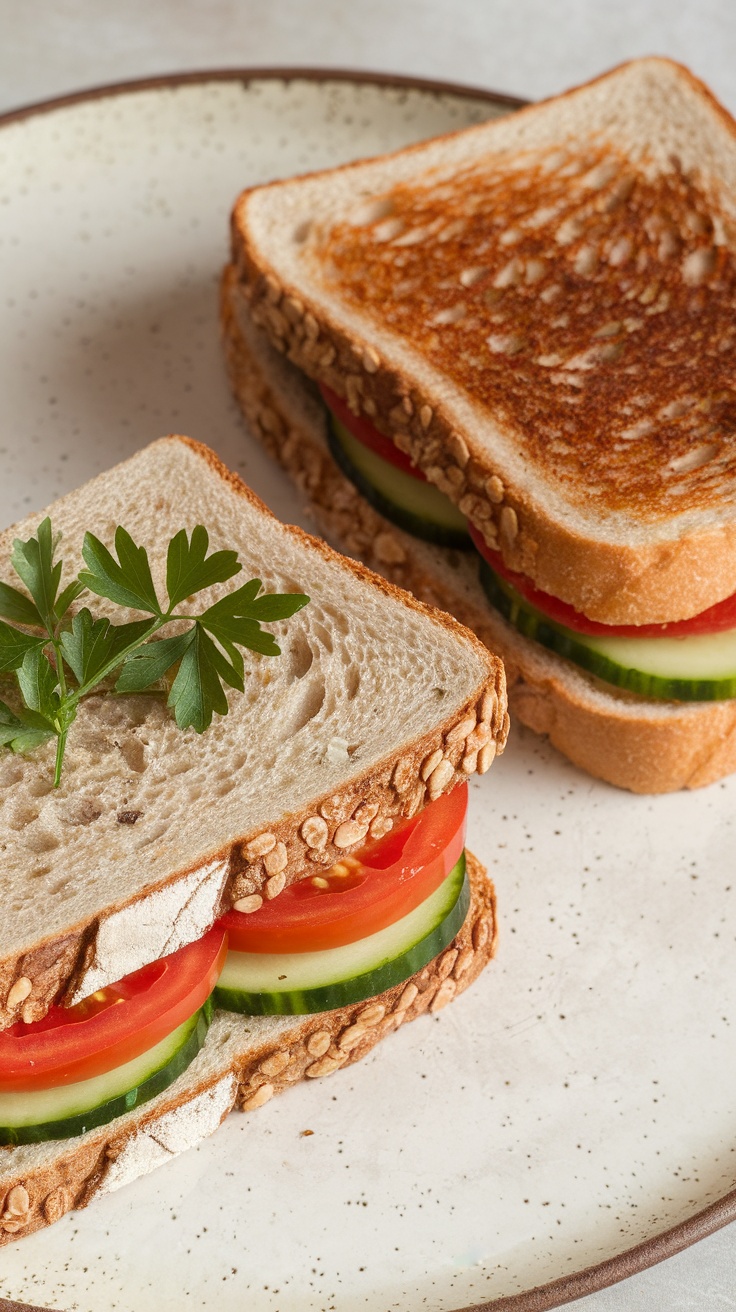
[287, 73]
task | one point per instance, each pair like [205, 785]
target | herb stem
[60, 749]
[61, 676]
[63, 694]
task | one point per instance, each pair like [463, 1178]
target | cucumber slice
[419, 508]
[698, 668]
[296, 983]
[72, 1109]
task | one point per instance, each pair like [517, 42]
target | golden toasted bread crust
[619, 738]
[592, 319]
[317, 1046]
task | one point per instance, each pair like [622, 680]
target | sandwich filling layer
[394, 487]
[342, 936]
[82, 1066]
[686, 660]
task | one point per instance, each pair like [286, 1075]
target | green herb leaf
[273, 606]
[129, 582]
[28, 739]
[24, 731]
[33, 562]
[234, 602]
[65, 598]
[15, 605]
[10, 725]
[238, 616]
[86, 646]
[197, 693]
[38, 680]
[90, 644]
[231, 672]
[245, 603]
[248, 633]
[190, 570]
[151, 662]
[14, 644]
[236, 660]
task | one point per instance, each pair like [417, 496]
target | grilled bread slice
[632, 742]
[540, 310]
[376, 706]
[243, 1063]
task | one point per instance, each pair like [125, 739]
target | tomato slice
[364, 431]
[716, 619]
[362, 893]
[115, 1024]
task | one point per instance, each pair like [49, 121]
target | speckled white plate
[578, 1103]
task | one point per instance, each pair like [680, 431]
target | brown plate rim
[649, 1252]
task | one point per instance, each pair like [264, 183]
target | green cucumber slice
[697, 668]
[72, 1109]
[297, 983]
[419, 508]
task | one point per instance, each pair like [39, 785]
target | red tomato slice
[716, 619]
[362, 893]
[115, 1024]
[365, 432]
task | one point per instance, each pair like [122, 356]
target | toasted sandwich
[195, 920]
[508, 384]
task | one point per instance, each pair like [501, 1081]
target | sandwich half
[537, 314]
[152, 832]
[194, 920]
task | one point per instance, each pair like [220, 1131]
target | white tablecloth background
[529, 48]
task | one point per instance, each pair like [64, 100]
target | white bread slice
[632, 742]
[244, 1062]
[376, 706]
[539, 309]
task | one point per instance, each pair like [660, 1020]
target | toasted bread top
[588, 305]
[557, 290]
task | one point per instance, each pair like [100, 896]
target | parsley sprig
[57, 657]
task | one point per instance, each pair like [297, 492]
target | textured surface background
[529, 48]
[524, 47]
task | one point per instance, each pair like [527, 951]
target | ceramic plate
[578, 1102]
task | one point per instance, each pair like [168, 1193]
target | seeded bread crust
[628, 741]
[674, 570]
[127, 931]
[244, 1062]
